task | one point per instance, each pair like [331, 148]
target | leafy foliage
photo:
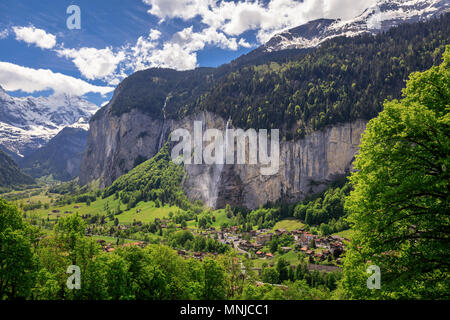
[326, 210]
[400, 203]
[158, 179]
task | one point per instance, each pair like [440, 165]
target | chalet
[245, 245]
[305, 238]
[286, 249]
[263, 238]
[319, 256]
[280, 232]
[260, 254]
[322, 243]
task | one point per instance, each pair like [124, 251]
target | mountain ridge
[10, 174]
[375, 19]
[28, 123]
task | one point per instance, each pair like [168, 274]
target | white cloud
[94, 63]
[180, 52]
[235, 18]
[185, 9]
[154, 34]
[14, 77]
[32, 35]
[4, 34]
[244, 43]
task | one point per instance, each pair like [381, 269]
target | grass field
[147, 210]
[291, 257]
[345, 234]
[148, 213]
[289, 224]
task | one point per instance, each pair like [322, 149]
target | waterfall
[217, 171]
[163, 129]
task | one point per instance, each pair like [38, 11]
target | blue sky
[39, 55]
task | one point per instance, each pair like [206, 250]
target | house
[245, 245]
[260, 254]
[322, 243]
[305, 238]
[280, 232]
[269, 255]
[263, 238]
[286, 249]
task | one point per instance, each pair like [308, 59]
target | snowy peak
[377, 18]
[28, 123]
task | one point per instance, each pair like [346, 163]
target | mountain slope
[27, 124]
[10, 174]
[344, 79]
[61, 156]
[378, 18]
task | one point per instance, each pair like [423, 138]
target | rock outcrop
[116, 144]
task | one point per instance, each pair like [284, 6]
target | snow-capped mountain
[27, 124]
[380, 17]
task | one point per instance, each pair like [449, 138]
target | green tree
[400, 203]
[215, 280]
[270, 275]
[17, 261]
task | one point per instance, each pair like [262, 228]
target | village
[255, 244]
[323, 253]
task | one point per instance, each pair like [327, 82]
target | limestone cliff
[116, 144]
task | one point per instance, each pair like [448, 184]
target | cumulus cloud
[38, 37]
[180, 51]
[4, 34]
[267, 18]
[14, 77]
[94, 63]
[154, 34]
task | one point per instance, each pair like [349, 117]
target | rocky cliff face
[116, 144]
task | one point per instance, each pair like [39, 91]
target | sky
[41, 55]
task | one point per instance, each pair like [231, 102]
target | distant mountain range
[60, 157]
[378, 18]
[26, 124]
